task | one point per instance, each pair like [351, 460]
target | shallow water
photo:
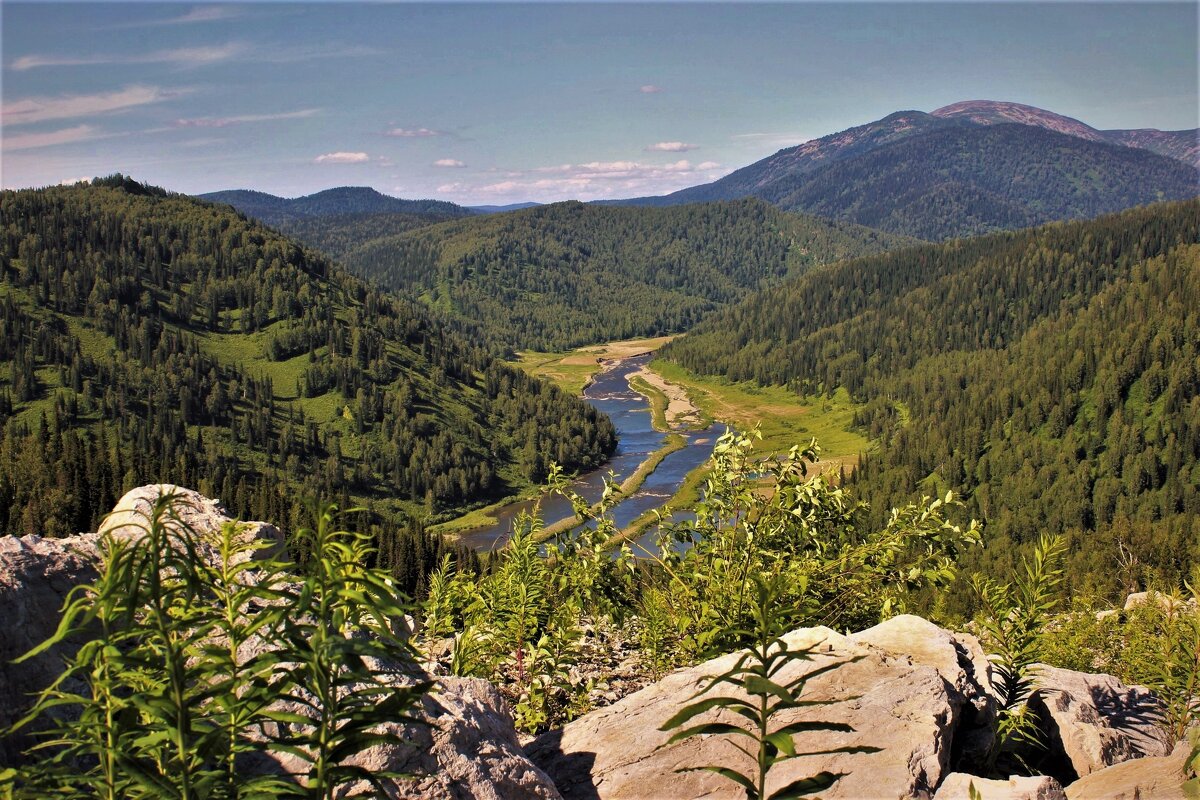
[636, 440]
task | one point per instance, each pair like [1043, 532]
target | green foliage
[147, 337]
[1013, 619]
[762, 517]
[1047, 376]
[195, 666]
[759, 700]
[568, 274]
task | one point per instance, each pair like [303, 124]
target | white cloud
[650, 88]
[197, 14]
[201, 56]
[73, 181]
[413, 133]
[224, 122]
[180, 56]
[342, 157]
[592, 180]
[448, 162]
[40, 109]
[671, 147]
[29, 141]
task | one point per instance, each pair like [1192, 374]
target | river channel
[636, 440]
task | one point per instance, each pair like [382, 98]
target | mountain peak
[994, 112]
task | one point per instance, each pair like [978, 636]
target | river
[636, 440]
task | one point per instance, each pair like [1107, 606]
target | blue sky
[500, 103]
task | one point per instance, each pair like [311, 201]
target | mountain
[1180, 145]
[966, 180]
[499, 209]
[562, 275]
[1049, 375]
[340, 201]
[951, 172]
[147, 337]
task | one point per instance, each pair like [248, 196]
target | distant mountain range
[965, 169]
[340, 201]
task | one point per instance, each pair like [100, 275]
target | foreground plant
[1014, 619]
[194, 666]
[759, 698]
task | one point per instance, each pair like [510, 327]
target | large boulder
[1148, 778]
[1094, 721]
[903, 687]
[957, 786]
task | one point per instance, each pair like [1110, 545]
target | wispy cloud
[180, 56]
[448, 162]
[649, 88]
[342, 157]
[671, 147]
[590, 180]
[28, 141]
[40, 109]
[225, 122]
[197, 14]
[202, 56]
[413, 133]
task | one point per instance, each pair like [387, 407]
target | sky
[501, 103]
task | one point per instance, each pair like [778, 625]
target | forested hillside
[1053, 375]
[558, 276]
[148, 337]
[963, 181]
[963, 170]
[337, 202]
[337, 235]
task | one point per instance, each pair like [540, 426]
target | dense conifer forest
[568, 274]
[149, 337]
[1052, 375]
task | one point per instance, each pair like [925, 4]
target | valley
[612, 402]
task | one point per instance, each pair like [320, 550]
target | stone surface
[902, 695]
[957, 786]
[1094, 721]
[1148, 778]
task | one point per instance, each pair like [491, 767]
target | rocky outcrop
[1149, 778]
[37, 574]
[1095, 721]
[463, 742]
[957, 786]
[462, 745]
[904, 687]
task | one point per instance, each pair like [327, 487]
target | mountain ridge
[782, 173]
[337, 201]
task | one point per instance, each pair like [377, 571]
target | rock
[465, 747]
[960, 660]
[1148, 778]
[206, 517]
[1094, 721]
[906, 703]
[1165, 602]
[37, 574]
[1039, 787]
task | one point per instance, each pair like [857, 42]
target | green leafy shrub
[194, 667]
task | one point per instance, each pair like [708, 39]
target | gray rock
[1095, 721]
[901, 699]
[1148, 778]
[1038, 787]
